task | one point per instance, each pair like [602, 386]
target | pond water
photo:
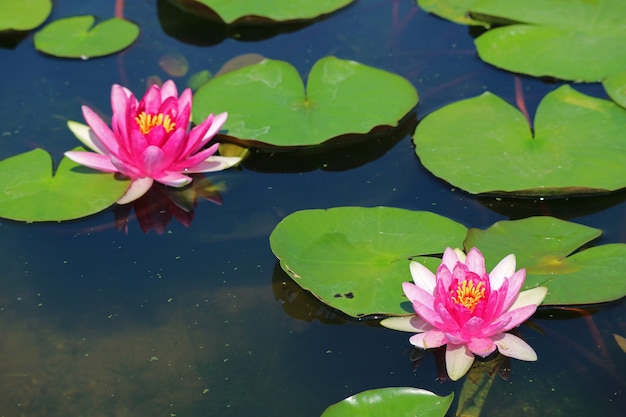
[201, 320]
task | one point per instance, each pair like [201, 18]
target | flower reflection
[155, 209]
[468, 310]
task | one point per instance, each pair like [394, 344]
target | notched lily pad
[577, 40]
[266, 11]
[355, 259]
[31, 193]
[23, 15]
[484, 145]
[545, 246]
[391, 402]
[77, 37]
[268, 105]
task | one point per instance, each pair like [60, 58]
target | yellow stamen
[147, 121]
[469, 295]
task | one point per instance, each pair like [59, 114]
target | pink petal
[459, 360]
[92, 160]
[191, 161]
[173, 179]
[168, 89]
[429, 339]
[512, 288]
[511, 319]
[422, 277]
[156, 136]
[203, 133]
[151, 101]
[504, 269]
[152, 161]
[120, 103]
[100, 129]
[514, 347]
[475, 262]
[450, 258]
[138, 187]
[173, 147]
[481, 346]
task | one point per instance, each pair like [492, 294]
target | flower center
[147, 121]
[468, 295]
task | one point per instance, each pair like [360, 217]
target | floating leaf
[615, 86]
[76, 37]
[30, 192]
[23, 15]
[267, 10]
[174, 64]
[391, 402]
[267, 103]
[198, 79]
[576, 40]
[484, 145]
[354, 258]
[544, 246]
[454, 10]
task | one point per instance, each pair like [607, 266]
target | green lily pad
[391, 402]
[454, 10]
[544, 246]
[30, 192]
[576, 40]
[484, 145]
[267, 10]
[77, 37]
[24, 14]
[268, 105]
[355, 259]
[615, 86]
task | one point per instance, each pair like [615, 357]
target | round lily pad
[355, 258]
[576, 40]
[31, 193]
[484, 145]
[267, 10]
[23, 15]
[544, 246]
[77, 37]
[615, 86]
[268, 105]
[391, 402]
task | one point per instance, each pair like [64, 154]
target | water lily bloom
[150, 140]
[468, 310]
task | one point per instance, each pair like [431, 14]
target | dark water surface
[199, 320]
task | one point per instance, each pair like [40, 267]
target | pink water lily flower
[150, 139]
[468, 310]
